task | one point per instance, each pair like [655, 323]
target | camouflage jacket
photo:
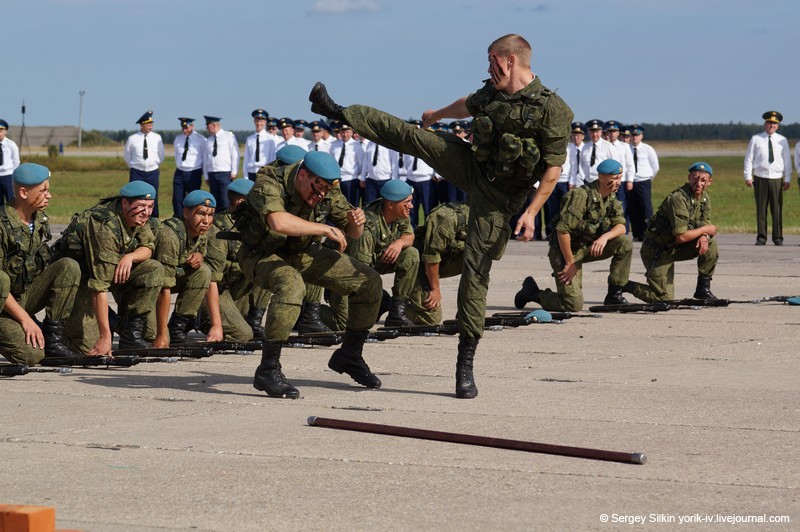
[585, 215]
[678, 213]
[377, 235]
[174, 246]
[24, 252]
[443, 234]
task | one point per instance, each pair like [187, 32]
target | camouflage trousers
[569, 297]
[416, 311]
[137, 297]
[237, 296]
[660, 268]
[286, 277]
[492, 202]
[405, 273]
[53, 290]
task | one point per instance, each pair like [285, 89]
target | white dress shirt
[756, 160]
[587, 173]
[572, 160]
[417, 170]
[294, 141]
[266, 152]
[353, 160]
[10, 156]
[227, 158]
[646, 162]
[385, 167]
[322, 145]
[134, 151]
[194, 154]
[797, 159]
[625, 157]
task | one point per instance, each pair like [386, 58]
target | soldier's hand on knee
[337, 236]
[566, 275]
[33, 334]
[195, 260]
[357, 216]
[123, 270]
[433, 299]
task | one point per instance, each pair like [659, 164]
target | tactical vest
[592, 226]
[22, 265]
[659, 229]
[502, 132]
[457, 244]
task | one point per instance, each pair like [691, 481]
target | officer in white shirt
[287, 138]
[767, 160]
[624, 156]
[380, 166]
[318, 142]
[144, 153]
[222, 160]
[594, 152]
[420, 176]
[259, 148]
[9, 160]
[300, 126]
[190, 150]
[272, 129]
[645, 164]
[348, 153]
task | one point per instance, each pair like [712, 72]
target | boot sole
[467, 395]
[276, 396]
[370, 385]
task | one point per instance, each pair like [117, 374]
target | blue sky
[674, 61]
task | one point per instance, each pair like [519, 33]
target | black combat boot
[614, 296]
[253, 319]
[269, 378]
[386, 304]
[397, 313]
[348, 359]
[322, 104]
[113, 320]
[465, 381]
[310, 320]
[54, 347]
[179, 326]
[703, 290]
[131, 334]
[528, 293]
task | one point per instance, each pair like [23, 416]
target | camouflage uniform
[281, 264]
[97, 238]
[369, 249]
[516, 138]
[440, 240]
[678, 213]
[24, 259]
[586, 216]
[174, 245]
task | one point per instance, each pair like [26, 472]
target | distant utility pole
[80, 119]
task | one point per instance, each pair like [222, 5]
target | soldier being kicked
[113, 242]
[589, 227]
[27, 283]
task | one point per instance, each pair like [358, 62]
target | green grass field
[78, 182]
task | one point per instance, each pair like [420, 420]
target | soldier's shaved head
[512, 44]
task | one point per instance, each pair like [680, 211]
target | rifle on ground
[382, 335]
[423, 330]
[781, 299]
[632, 307]
[206, 349]
[124, 361]
[498, 323]
[696, 303]
[13, 370]
[557, 316]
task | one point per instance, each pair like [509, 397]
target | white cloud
[339, 7]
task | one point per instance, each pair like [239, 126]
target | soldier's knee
[27, 357]
[199, 278]
[68, 273]
[149, 274]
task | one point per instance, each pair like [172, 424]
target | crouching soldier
[113, 242]
[589, 227]
[181, 247]
[28, 282]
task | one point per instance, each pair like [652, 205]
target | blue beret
[186, 122]
[3, 124]
[211, 119]
[138, 190]
[259, 113]
[396, 190]
[285, 122]
[199, 197]
[145, 118]
[290, 154]
[594, 124]
[240, 186]
[609, 166]
[701, 167]
[323, 164]
[611, 124]
[541, 316]
[793, 300]
[30, 174]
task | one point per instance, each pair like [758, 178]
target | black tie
[400, 160]
[591, 160]
[578, 157]
[316, 146]
[635, 161]
[214, 151]
[375, 156]
[414, 166]
[1, 155]
[258, 148]
[771, 155]
[341, 156]
[144, 151]
[185, 148]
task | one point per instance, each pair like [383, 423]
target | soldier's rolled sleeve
[168, 249]
[437, 239]
[102, 255]
[615, 212]
[267, 196]
[678, 215]
[363, 249]
[339, 209]
[572, 208]
[216, 254]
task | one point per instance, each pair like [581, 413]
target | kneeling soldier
[680, 230]
[28, 282]
[589, 227]
[281, 227]
[113, 242]
[181, 247]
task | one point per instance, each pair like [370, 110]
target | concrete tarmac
[711, 396]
